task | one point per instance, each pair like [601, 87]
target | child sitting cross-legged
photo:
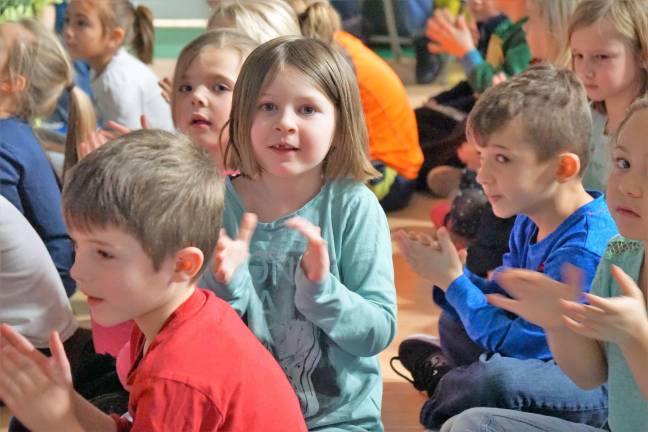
[532, 132]
[141, 211]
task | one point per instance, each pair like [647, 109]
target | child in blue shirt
[606, 340]
[532, 132]
[317, 288]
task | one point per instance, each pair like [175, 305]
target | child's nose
[285, 122]
[199, 97]
[76, 271]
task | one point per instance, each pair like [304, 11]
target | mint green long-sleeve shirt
[326, 336]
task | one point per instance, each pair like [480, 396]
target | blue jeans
[483, 379]
[501, 420]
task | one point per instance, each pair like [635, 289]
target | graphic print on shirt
[299, 346]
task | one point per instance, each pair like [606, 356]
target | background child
[204, 78]
[196, 367]
[532, 158]
[123, 86]
[35, 71]
[609, 45]
[261, 20]
[316, 293]
[393, 139]
[606, 340]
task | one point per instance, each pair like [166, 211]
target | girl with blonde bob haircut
[554, 19]
[315, 277]
[332, 75]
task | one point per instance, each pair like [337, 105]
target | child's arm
[229, 276]
[38, 390]
[358, 312]
[620, 320]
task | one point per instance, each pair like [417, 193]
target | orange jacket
[393, 136]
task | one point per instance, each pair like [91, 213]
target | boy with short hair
[142, 211]
[533, 133]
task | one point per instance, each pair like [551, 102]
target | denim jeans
[502, 420]
[483, 379]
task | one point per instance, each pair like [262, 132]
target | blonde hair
[223, 38]
[639, 104]
[261, 20]
[43, 62]
[628, 17]
[331, 74]
[551, 105]
[555, 16]
[157, 186]
[137, 23]
[317, 18]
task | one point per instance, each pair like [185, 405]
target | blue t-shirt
[579, 240]
[27, 180]
[326, 336]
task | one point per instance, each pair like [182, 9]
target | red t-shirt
[205, 371]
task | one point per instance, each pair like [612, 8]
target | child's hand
[36, 389]
[620, 320]
[231, 253]
[434, 259]
[536, 297]
[102, 136]
[315, 261]
[448, 37]
[167, 87]
[499, 78]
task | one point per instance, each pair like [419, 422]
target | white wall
[178, 9]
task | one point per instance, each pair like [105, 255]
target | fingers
[504, 302]
[144, 122]
[443, 237]
[628, 286]
[117, 127]
[307, 229]
[435, 48]
[573, 277]
[247, 227]
[61, 363]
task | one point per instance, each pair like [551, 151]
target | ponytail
[318, 19]
[143, 34]
[81, 123]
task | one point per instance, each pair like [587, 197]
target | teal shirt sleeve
[359, 315]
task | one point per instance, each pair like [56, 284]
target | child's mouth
[623, 211]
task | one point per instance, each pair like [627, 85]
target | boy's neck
[549, 214]
[151, 323]
[8, 104]
[515, 10]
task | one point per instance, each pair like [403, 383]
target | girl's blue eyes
[218, 88]
[622, 163]
[306, 109]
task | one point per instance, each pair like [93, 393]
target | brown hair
[552, 106]
[223, 38]
[43, 62]
[628, 17]
[317, 18]
[331, 74]
[157, 186]
[137, 23]
[260, 20]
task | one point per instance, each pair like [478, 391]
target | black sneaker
[422, 357]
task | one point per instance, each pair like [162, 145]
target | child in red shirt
[141, 211]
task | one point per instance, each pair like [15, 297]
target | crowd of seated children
[316, 139]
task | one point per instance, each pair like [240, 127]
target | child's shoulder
[124, 69]
[349, 195]
[620, 248]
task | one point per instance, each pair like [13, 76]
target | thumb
[248, 225]
[461, 23]
[628, 286]
[573, 277]
[144, 122]
[61, 363]
[443, 237]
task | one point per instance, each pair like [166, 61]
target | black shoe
[422, 357]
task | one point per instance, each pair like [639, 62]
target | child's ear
[116, 36]
[14, 85]
[568, 166]
[188, 262]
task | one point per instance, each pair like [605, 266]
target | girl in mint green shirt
[313, 278]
